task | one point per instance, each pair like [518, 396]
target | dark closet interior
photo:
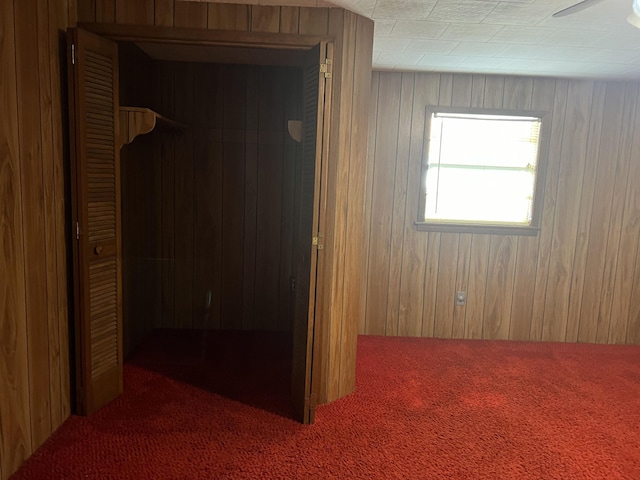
[209, 206]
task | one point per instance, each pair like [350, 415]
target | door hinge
[317, 241]
[73, 53]
[77, 231]
[326, 68]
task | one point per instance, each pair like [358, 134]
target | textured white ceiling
[497, 36]
[509, 37]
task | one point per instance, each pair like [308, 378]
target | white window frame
[487, 227]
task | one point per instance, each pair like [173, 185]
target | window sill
[479, 229]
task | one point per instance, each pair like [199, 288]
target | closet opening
[208, 218]
[209, 274]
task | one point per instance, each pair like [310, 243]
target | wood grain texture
[33, 287]
[289, 19]
[224, 197]
[184, 196]
[565, 225]
[621, 317]
[222, 16]
[601, 213]
[399, 206]
[352, 42]
[313, 20]
[390, 88]
[412, 283]
[542, 94]
[265, 19]
[33, 226]
[616, 216]
[86, 10]
[163, 13]
[548, 210]
[15, 414]
[190, 15]
[140, 12]
[355, 258]
[59, 18]
[575, 280]
[105, 11]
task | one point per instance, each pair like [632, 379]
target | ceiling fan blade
[575, 8]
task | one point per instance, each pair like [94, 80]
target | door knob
[98, 250]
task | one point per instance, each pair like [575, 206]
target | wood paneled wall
[340, 304]
[575, 281]
[208, 211]
[34, 354]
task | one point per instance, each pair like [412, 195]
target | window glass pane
[481, 168]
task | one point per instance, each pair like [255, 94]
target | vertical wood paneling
[250, 199]
[368, 194]
[167, 148]
[616, 215]
[622, 318]
[59, 18]
[462, 284]
[225, 204]
[15, 415]
[399, 205]
[548, 210]
[166, 179]
[34, 365]
[49, 158]
[190, 15]
[382, 203]
[233, 176]
[30, 144]
[347, 29]
[542, 94]
[601, 212]
[265, 19]
[446, 285]
[355, 256]
[140, 12]
[430, 285]
[576, 279]
[289, 19]
[86, 10]
[223, 16]
[499, 287]
[478, 267]
[270, 156]
[313, 21]
[163, 13]
[105, 11]
[567, 210]
[184, 196]
[327, 299]
[412, 283]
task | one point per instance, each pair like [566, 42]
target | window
[482, 171]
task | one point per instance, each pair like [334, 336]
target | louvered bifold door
[307, 331]
[93, 98]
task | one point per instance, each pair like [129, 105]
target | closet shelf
[136, 121]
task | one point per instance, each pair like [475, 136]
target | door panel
[93, 99]
[306, 331]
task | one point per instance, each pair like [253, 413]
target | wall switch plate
[461, 299]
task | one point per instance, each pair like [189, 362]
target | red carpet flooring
[423, 409]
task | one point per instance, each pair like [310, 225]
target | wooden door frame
[192, 36]
[255, 40]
